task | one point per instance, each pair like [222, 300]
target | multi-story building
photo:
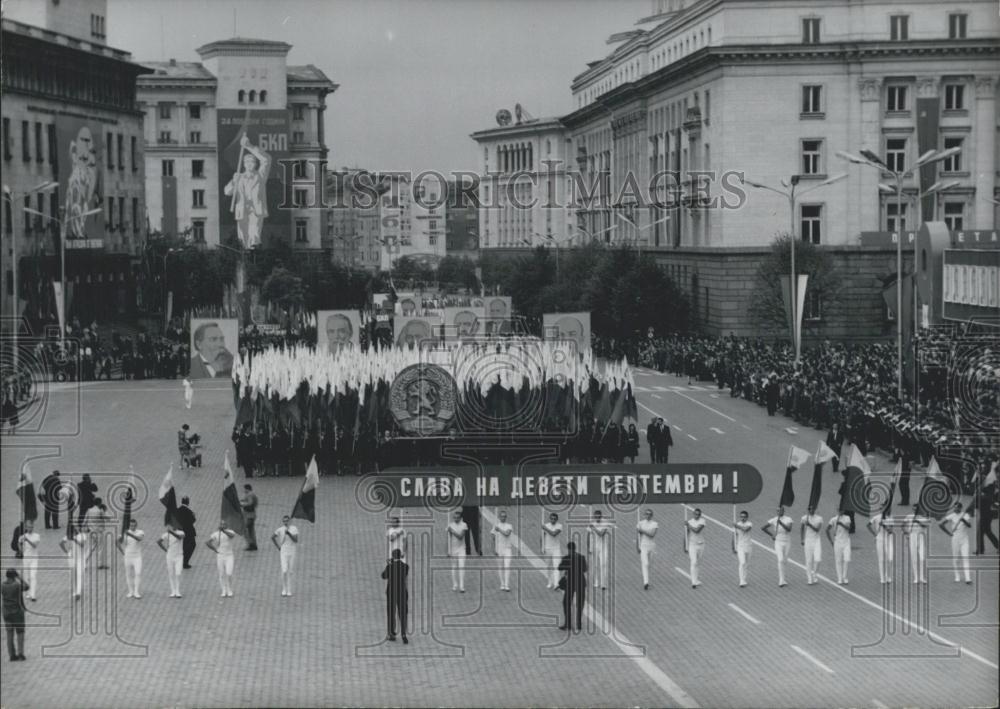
[74, 204]
[412, 216]
[462, 222]
[525, 192]
[353, 229]
[196, 113]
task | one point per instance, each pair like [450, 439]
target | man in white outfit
[838, 531]
[503, 547]
[552, 546]
[28, 543]
[779, 528]
[880, 527]
[742, 530]
[286, 538]
[646, 543]
[694, 529]
[915, 529]
[956, 525]
[78, 550]
[130, 545]
[221, 542]
[172, 542]
[812, 542]
[599, 541]
[457, 529]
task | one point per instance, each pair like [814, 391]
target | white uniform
[505, 550]
[552, 545]
[288, 547]
[78, 552]
[841, 525]
[600, 545]
[883, 547]
[132, 549]
[743, 547]
[456, 550]
[813, 544]
[696, 546]
[647, 545]
[782, 543]
[175, 559]
[29, 549]
[916, 526]
[394, 537]
[225, 560]
[959, 543]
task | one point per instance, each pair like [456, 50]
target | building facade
[462, 221]
[353, 228]
[412, 213]
[73, 166]
[196, 113]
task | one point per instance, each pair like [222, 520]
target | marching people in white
[503, 547]
[880, 527]
[742, 541]
[221, 542]
[957, 525]
[779, 528]
[457, 529]
[552, 547]
[130, 545]
[172, 543]
[599, 543]
[694, 529]
[915, 530]
[645, 542]
[811, 529]
[28, 543]
[838, 531]
[78, 550]
[286, 539]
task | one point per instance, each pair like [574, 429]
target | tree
[457, 273]
[767, 304]
[284, 288]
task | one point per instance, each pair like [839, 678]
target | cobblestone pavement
[717, 645]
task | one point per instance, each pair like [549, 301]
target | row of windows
[35, 221]
[899, 27]
[251, 96]
[811, 217]
[166, 111]
[98, 29]
[197, 168]
[813, 161]
[42, 137]
[166, 137]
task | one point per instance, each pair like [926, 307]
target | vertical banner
[337, 330]
[168, 193]
[796, 327]
[251, 191]
[568, 326]
[80, 181]
[928, 114]
[57, 289]
[212, 344]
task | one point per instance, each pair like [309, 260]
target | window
[8, 225]
[954, 215]
[811, 226]
[811, 157]
[241, 97]
[167, 168]
[54, 208]
[25, 142]
[299, 170]
[298, 137]
[812, 309]
[7, 155]
[135, 215]
[252, 97]
[109, 148]
[195, 136]
[810, 30]
[121, 151]
[895, 98]
[164, 110]
[302, 231]
[165, 136]
[708, 106]
[121, 214]
[895, 216]
[956, 25]
[53, 151]
[131, 149]
[954, 97]
[895, 154]
[812, 99]
[298, 111]
[300, 198]
[197, 198]
[197, 168]
[899, 28]
[111, 214]
[27, 215]
[198, 230]
[263, 96]
[194, 111]
[952, 163]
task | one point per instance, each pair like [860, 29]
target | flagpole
[686, 529]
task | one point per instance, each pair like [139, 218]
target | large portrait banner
[568, 326]
[412, 331]
[81, 155]
[213, 341]
[464, 321]
[337, 330]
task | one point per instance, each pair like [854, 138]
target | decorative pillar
[981, 154]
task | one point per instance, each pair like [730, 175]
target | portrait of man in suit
[210, 357]
[570, 328]
[466, 323]
[339, 332]
[413, 332]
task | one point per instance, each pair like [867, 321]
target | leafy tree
[284, 288]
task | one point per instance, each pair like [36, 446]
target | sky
[416, 76]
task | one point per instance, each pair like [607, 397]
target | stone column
[866, 195]
[980, 155]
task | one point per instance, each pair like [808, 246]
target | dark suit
[186, 519]
[470, 515]
[666, 440]
[50, 501]
[835, 443]
[200, 371]
[652, 440]
[574, 568]
[397, 597]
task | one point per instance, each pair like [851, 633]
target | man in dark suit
[397, 597]
[573, 583]
[186, 520]
[666, 440]
[652, 440]
[835, 441]
[49, 497]
[210, 357]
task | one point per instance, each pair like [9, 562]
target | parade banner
[81, 157]
[464, 322]
[498, 312]
[410, 331]
[562, 486]
[251, 189]
[407, 304]
[568, 326]
[337, 329]
[213, 341]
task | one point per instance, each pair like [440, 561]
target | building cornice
[519, 129]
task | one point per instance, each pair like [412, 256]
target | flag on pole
[824, 453]
[231, 513]
[26, 491]
[305, 505]
[796, 457]
[169, 499]
[991, 477]
[854, 491]
[934, 470]
[817, 482]
[892, 486]
[935, 494]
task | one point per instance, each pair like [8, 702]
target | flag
[935, 498]
[305, 505]
[824, 453]
[892, 486]
[854, 491]
[169, 499]
[127, 515]
[991, 477]
[934, 470]
[26, 491]
[817, 482]
[796, 457]
[231, 513]
[787, 493]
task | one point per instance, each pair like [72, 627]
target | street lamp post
[869, 158]
[790, 185]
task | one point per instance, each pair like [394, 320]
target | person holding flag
[28, 543]
[552, 546]
[881, 529]
[221, 542]
[957, 525]
[130, 545]
[646, 543]
[742, 531]
[286, 538]
[305, 504]
[779, 528]
[810, 537]
[76, 545]
[838, 531]
[694, 533]
[915, 530]
[172, 543]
